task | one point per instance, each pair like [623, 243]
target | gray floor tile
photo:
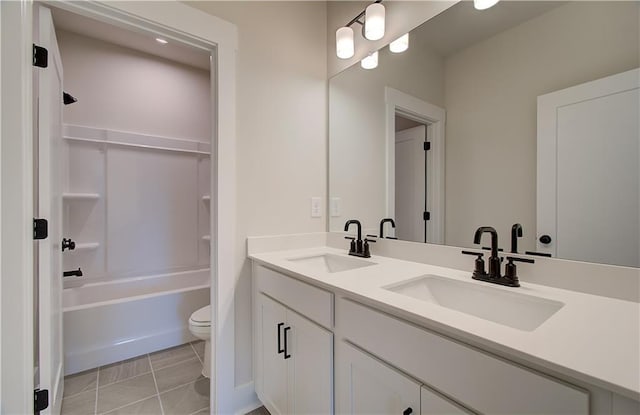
[126, 369]
[149, 406]
[80, 382]
[83, 403]
[187, 399]
[178, 375]
[171, 356]
[199, 346]
[126, 392]
[204, 411]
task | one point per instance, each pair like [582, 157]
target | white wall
[357, 114]
[123, 89]
[490, 98]
[281, 131]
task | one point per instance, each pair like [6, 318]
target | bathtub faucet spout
[74, 273]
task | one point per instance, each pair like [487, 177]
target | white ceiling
[462, 25]
[146, 43]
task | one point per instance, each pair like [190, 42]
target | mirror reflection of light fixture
[344, 43]
[400, 44]
[374, 22]
[370, 61]
[484, 4]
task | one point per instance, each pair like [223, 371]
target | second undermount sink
[331, 263]
[509, 308]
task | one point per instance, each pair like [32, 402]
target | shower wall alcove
[136, 198]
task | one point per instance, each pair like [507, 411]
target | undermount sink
[331, 263]
[520, 311]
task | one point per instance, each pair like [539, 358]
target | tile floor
[168, 382]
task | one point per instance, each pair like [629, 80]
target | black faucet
[494, 276]
[516, 232]
[382, 222]
[494, 259]
[358, 247]
[74, 273]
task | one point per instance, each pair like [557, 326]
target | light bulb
[344, 42]
[484, 4]
[374, 21]
[371, 61]
[400, 44]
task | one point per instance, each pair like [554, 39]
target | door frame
[177, 22]
[434, 118]
[547, 137]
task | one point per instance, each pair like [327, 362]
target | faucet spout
[494, 260]
[357, 223]
[382, 222]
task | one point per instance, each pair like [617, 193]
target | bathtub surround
[166, 382]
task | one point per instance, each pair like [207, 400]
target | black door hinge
[426, 215]
[40, 56]
[40, 229]
[40, 400]
[427, 146]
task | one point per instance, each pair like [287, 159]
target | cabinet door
[310, 348]
[365, 385]
[273, 373]
[434, 404]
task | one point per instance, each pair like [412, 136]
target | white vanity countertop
[594, 339]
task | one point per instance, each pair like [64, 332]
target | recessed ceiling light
[160, 40]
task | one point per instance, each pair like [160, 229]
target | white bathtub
[106, 322]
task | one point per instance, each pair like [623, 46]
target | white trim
[172, 20]
[16, 199]
[435, 118]
[547, 163]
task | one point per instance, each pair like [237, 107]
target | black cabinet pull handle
[286, 352]
[407, 411]
[280, 349]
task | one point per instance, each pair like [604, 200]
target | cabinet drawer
[314, 303]
[476, 379]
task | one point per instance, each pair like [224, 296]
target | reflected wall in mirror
[531, 111]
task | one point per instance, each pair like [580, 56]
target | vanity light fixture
[372, 29]
[371, 61]
[344, 43]
[374, 21]
[160, 40]
[484, 4]
[400, 44]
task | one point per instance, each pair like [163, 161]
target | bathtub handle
[280, 349]
[286, 353]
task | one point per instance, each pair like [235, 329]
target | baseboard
[89, 359]
[246, 399]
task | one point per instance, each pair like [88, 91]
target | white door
[589, 171]
[50, 180]
[366, 386]
[410, 198]
[274, 367]
[310, 348]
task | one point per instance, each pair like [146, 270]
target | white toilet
[200, 326]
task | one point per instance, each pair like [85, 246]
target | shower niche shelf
[80, 196]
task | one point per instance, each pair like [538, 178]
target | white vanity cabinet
[367, 385]
[293, 354]
[472, 378]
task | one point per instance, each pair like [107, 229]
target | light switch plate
[335, 206]
[316, 207]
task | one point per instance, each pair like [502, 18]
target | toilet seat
[201, 317]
